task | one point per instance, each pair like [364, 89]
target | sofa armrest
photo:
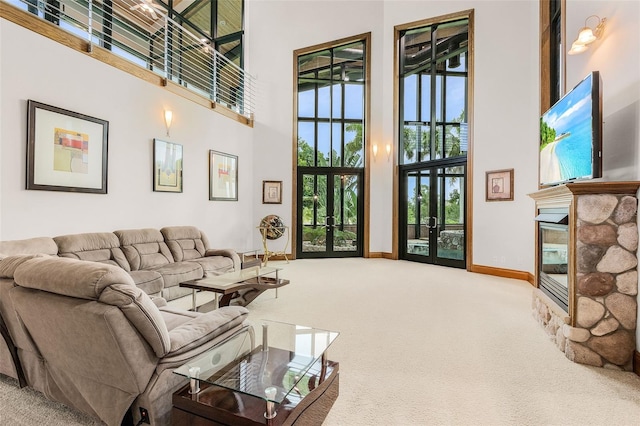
[237, 264]
[204, 328]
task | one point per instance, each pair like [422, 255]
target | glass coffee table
[259, 278]
[271, 373]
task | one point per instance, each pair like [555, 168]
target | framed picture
[271, 192]
[223, 176]
[167, 166]
[66, 150]
[499, 185]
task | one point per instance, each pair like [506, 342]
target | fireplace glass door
[554, 256]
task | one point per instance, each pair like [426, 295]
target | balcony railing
[142, 34]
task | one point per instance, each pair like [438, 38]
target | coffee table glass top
[290, 363]
[221, 282]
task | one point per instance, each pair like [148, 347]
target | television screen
[571, 135]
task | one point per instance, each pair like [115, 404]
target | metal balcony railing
[139, 32]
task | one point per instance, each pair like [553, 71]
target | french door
[432, 213]
[329, 213]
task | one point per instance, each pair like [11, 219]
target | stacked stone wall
[606, 286]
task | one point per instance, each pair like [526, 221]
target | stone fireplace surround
[600, 327]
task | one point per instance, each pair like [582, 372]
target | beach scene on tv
[565, 137]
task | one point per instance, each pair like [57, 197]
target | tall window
[433, 141]
[434, 92]
[331, 107]
[331, 101]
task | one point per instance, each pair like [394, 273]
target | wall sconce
[168, 118]
[374, 150]
[587, 35]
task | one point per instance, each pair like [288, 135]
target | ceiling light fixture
[587, 35]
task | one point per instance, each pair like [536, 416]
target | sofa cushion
[43, 245]
[179, 272]
[148, 281]
[101, 247]
[205, 327]
[8, 264]
[185, 242]
[215, 265]
[144, 248]
[69, 277]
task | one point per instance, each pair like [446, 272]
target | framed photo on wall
[167, 166]
[271, 192]
[223, 176]
[499, 185]
[66, 150]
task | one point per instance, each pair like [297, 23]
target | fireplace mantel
[599, 328]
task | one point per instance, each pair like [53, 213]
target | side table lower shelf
[218, 406]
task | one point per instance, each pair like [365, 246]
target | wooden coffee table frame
[257, 283]
[214, 405]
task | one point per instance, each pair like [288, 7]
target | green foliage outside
[318, 236]
[547, 134]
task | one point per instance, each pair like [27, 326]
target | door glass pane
[438, 97]
[410, 98]
[424, 136]
[306, 101]
[336, 102]
[306, 144]
[336, 144]
[324, 102]
[229, 17]
[425, 98]
[324, 144]
[199, 15]
[418, 213]
[314, 211]
[451, 210]
[353, 145]
[345, 213]
[452, 142]
[353, 101]
[456, 88]
[439, 141]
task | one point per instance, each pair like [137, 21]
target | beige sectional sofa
[88, 317]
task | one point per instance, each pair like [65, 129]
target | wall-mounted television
[571, 135]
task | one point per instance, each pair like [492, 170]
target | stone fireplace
[597, 325]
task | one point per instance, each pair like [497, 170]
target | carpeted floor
[421, 345]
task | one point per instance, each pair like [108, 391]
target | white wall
[34, 67]
[617, 56]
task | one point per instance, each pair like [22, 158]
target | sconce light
[374, 149]
[587, 35]
[168, 118]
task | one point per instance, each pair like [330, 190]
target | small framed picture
[167, 166]
[66, 150]
[271, 192]
[223, 176]
[499, 185]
